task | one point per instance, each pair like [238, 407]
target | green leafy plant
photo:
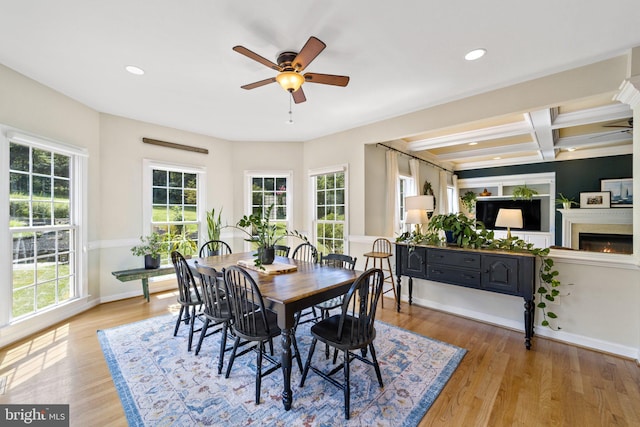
[468, 200]
[153, 244]
[263, 233]
[182, 243]
[565, 201]
[466, 232]
[523, 192]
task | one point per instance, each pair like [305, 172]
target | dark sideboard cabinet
[492, 271]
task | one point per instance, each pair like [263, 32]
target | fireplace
[598, 222]
[608, 243]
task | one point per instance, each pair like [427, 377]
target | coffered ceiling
[587, 128]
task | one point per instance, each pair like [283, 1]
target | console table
[492, 271]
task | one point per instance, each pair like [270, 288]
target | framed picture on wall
[621, 191]
[595, 200]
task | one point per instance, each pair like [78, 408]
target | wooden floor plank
[498, 383]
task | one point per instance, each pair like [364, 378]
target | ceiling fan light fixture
[290, 80]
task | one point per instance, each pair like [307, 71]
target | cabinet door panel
[414, 263]
[500, 274]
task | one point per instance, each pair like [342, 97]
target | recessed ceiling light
[473, 143]
[571, 149]
[497, 158]
[134, 70]
[475, 54]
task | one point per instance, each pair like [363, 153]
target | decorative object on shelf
[417, 208]
[565, 201]
[523, 192]
[473, 234]
[468, 200]
[621, 191]
[151, 247]
[595, 200]
[485, 193]
[427, 190]
[265, 235]
[509, 218]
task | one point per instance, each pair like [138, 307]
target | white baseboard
[568, 338]
[153, 288]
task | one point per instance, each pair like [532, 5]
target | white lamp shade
[416, 216]
[509, 218]
[425, 203]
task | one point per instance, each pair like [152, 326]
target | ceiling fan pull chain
[290, 111]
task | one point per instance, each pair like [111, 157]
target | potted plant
[214, 226]
[182, 243]
[565, 201]
[264, 234]
[523, 192]
[151, 247]
[458, 228]
[468, 200]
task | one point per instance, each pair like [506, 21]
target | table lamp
[417, 208]
[509, 218]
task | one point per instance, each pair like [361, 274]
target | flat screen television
[487, 211]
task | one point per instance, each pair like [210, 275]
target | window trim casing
[78, 189]
[313, 222]
[249, 175]
[147, 184]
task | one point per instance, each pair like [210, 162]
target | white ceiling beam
[486, 152]
[523, 160]
[593, 115]
[600, 138]
[485, 134]
[541, 121]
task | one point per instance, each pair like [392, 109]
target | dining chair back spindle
[281, 250]
[352, 329]
[216, 311]
[214, 247]
[305, 252]
[189, 297]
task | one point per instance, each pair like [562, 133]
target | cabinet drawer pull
[468, 276]
[437, 271]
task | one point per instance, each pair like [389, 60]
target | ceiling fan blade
[250, 54]
[326, 79]
[628, 125]
[310, 50]
[298, 96]
[258, 84]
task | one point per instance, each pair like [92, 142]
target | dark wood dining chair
[252, 322]
[216, 310]
[281, 250]
[214, 247]
[352, 329]
[189, 297]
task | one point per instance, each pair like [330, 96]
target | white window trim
[79, 190]
[344, 167]
[147, 182]
[250, 174]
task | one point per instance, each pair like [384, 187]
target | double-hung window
[330, 209]
[405, 188]
[46, 210]
[174, 208]
[266, 189]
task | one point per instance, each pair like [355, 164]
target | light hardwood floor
[498, 383]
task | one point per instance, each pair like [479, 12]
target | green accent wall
[572, 176]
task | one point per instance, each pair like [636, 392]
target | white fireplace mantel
[592, 216]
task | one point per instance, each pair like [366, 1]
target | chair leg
[233, 356]
[175, 331]
[223, 346]
[261, 349]
[375, 364]
[347, 391]
[191, 325]
[307, 364]
[203, 332]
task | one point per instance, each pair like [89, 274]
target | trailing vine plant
[478, 237]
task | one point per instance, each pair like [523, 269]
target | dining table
[286, 291]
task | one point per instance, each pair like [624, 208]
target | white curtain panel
[442, 201]
[392, 224]
[414, 168]
[456, 194]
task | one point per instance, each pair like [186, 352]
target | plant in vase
[523, 192]
[459, 229]
[265, 235]
[151, 247]
[214, 226]
[565, 201]
[468, 200]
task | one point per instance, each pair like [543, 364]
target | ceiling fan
[626, 128]
[289, 67]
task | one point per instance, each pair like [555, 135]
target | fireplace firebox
[605, 242]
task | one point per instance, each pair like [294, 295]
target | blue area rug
[160, 383]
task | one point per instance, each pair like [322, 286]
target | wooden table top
[307, 282]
